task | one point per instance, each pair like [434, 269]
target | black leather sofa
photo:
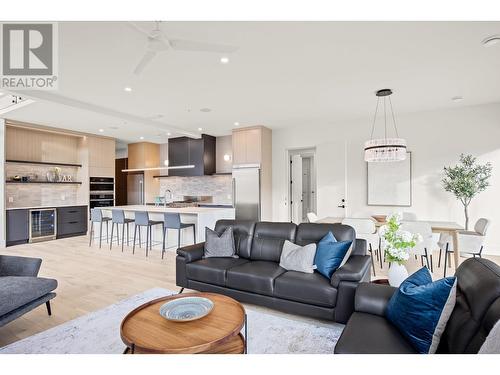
[256, 277]
[476, 311]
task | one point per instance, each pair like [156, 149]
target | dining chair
[118, 217]
[173, 221]
[365, 229]
[409, 216]
[424, 248]
[470, 242]
[96, 216]
[142, 220]
[312, 217]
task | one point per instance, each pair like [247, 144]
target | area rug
[99, 332]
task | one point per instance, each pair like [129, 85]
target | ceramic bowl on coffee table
[186, 309]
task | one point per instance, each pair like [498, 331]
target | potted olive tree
[465, 180]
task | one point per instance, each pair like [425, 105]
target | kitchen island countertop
[202, 217]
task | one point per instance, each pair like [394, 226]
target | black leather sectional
[476, 311]
[256, 277]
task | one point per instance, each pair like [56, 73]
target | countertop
[43, 207]
[161, 209]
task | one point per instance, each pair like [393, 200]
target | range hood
[145, 156]
[186, 156]
[157, 168]
[185, 151]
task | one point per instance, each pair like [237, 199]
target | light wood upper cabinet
[239, 147]
[253, 145]
[247, 145]
[34, 145]
[101, 156]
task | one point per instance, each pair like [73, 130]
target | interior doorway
[302, 192]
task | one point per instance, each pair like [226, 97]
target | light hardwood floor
[91, 278]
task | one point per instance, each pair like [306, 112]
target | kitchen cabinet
[248, 145]
[189, 151]
[253, 146]
[101, 156]
[71, 221]
[17, 227]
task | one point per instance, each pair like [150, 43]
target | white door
[331, 179]
[307, 188]
[296, 188]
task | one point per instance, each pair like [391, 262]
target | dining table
[449, 227]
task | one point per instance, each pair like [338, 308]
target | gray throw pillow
[219, 246]
[298, 258]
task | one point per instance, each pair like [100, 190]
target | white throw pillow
[298, 258]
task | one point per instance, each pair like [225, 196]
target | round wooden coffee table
[144, 330]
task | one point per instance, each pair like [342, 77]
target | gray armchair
[20, 289]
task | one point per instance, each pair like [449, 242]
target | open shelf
[43, 163]
[45, 182]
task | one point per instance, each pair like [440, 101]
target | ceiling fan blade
[137, 28]
[146, 59]
[191, 45]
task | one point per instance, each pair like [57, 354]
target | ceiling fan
[157, 42]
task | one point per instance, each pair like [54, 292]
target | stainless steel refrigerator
[246, 193]
[135, 188]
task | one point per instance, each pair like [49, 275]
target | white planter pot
[397, 274]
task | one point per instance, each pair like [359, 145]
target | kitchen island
[200, 216]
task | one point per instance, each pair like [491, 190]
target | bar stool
[96, 217]
[173, 221]
[142, 220]
[118, 217]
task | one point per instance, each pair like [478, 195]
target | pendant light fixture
[385, 149]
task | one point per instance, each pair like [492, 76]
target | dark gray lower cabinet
[17, 227]
[71, 221]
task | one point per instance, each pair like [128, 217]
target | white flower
[419, 238]
[382, 230]
[405, 235]
[397, 216]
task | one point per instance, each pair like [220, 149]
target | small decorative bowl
[186, 309]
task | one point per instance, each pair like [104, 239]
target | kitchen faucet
[165, 197]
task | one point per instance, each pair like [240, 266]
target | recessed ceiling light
[101, 130]
[491, 40]
[128, 89]
[141, 137]
[236, 123]
[224, 60]
[457, 99]
[200, 129]
[169, 134]
[1, 93]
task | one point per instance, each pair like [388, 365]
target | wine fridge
[42, 224]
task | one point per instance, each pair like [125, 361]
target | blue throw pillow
[420, 309]
[329, 254]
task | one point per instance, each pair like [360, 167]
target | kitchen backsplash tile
[34, 195]
[218, 187]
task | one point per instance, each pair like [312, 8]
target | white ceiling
[283, 74]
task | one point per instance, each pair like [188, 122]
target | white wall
[435, 138]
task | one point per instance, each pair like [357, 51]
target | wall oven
[42, 224]
[102, 192]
